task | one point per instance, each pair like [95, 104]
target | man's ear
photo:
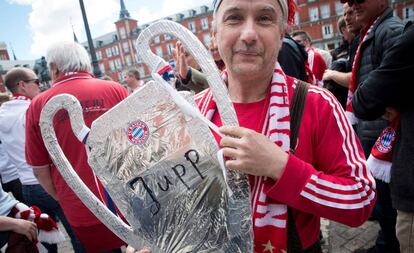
[213, 37]
[53, 71]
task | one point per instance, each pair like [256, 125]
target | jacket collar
[388, 13]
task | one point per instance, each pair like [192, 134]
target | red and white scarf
[380, 160]
[268, 235]
[48, 230]
[353, 85]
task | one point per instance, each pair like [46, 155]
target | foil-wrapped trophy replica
[156, 156]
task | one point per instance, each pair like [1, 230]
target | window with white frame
[192, 27]
[125, 46]
[118, 64]
[122, 32]
[408, 13]
[167, 37]
[204, 23]
[297, 19]
[313, 14]
[159, 52]
[170, 46]
[99, 55]
[207, 40]
[339, 8]
[128, 60]
[115, 50]
[325, 11]
[157, 39]
[108, 52]
[111, 65]
[327, 31]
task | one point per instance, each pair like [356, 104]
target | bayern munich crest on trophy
[137, 132]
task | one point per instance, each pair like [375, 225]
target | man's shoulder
[316, 97]
[389, 27]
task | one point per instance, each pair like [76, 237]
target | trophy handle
[200, 54]
[74, 109]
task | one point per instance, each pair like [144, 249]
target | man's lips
[247, 53]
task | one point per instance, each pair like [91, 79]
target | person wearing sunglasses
[380, 29]
[24, 86]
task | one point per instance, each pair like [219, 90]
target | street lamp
[96, 70]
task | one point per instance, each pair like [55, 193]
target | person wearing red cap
[291, 186]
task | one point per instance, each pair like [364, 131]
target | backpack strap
[297, 107]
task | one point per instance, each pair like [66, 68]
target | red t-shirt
[248, 114]
[96, 97]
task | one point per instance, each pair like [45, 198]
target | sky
[30, 26]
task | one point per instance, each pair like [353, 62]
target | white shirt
[12, 135]
[8, 171]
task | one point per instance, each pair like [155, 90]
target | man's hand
[130, 249]
[26, 228]
[252, 153]
[328, 75]
[180, 60]
[43, 175]
[390, 113]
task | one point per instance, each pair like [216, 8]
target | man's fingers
[231, 142]
[174, 54]
[231, 153]
[233, 165]
[234, 131]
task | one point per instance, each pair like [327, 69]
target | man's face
[248, 36]
[368, 10]
[30, 85]
[301, 40]
[349, 17]
[130, 80]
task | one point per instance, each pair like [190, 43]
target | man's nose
[249, 33]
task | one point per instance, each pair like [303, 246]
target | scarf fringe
[51, 237]
[380, 169]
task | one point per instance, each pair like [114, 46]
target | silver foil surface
[160, 166]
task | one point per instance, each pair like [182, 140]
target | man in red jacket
[327, 176]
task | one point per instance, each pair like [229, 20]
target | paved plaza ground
[338, 238]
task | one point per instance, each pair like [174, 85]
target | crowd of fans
[352, 158]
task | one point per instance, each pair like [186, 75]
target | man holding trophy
[294, 179]
[327, 176]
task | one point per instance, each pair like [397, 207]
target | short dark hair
[134, 73]
[302, 33]
[14, 76]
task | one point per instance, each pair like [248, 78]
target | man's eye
[265, 19]
[233, 18]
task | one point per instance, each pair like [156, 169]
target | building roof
[7, 65]
[109, 38]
